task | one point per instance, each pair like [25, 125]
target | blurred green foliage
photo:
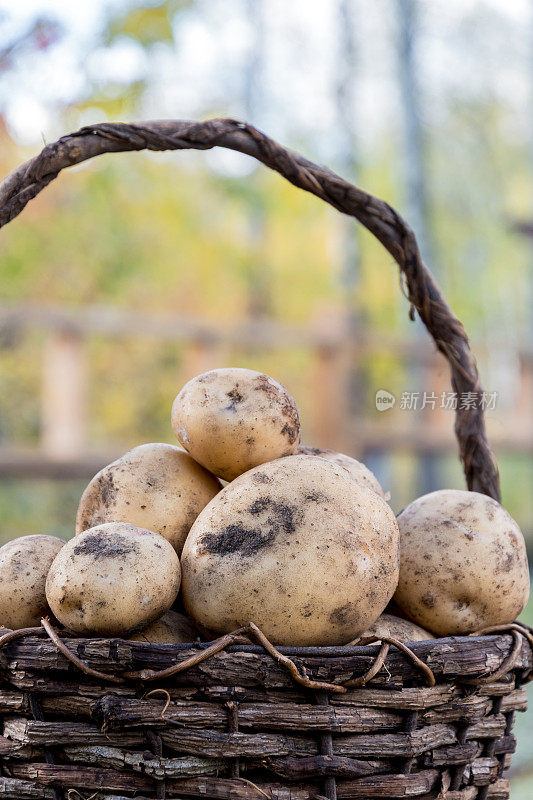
[177, 234]
[166, 234]
[163, 234]
[148, 25]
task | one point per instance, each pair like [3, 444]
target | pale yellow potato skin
[113, 579]
[297, 547]
[232, 419]
[172, 628]
[24, 565]
[463, 563]
[357, 469]
[155, 486]
[398, 628]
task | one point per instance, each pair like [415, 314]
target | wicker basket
[95, 718]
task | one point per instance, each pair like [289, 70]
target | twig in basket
[250, 630]
[160, 691]
[8, 637]
[380, 659]
[374, 669]
[507, 663]
[197, 658]
[303, 679]
[261, 792]
[428, 672]
[513, 626]
[95, 673]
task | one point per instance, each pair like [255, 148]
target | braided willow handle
[25, 182]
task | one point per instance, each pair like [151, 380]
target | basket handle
[26, 181]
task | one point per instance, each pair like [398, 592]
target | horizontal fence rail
[336, 354]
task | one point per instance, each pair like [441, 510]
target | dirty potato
[232, 419]
[398, 628]
[155, 486]
[463, 563]
[24, 565]
[296, 546]
[113, 579]
[172, 627]
[357, 469]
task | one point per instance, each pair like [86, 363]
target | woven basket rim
[494, 654]
[333, 651]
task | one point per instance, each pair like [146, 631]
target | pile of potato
[300, 541]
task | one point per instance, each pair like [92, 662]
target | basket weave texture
[98, 719]
[237, 725]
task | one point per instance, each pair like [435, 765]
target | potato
[398, 628]
[357, 469]
[463, 563]
[24, 565]
[154, 486]
[113, 579]
[172, 627]
[231, 420]
[296, 546]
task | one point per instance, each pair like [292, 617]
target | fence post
[330, 384]
[64, 395]
[201, 355]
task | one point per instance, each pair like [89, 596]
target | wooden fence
[64, 451]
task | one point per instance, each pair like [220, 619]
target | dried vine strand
[374, 669]
[506, 666]
[192, 661]
[19, 634]
[25, 182]
[257, 789]
[163, 692]
[300, 677]
[81, 665]
[413, 658]
[513, 626]
[221, 644]
[517, 629]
